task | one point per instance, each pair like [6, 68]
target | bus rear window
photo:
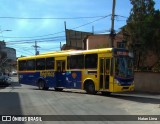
[22, 65]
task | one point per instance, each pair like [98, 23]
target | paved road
[28, 100]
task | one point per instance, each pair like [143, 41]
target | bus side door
[60, 73]
[104, 74]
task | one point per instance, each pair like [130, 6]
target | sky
[22, 22]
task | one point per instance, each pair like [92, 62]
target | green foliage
[143, 28]
[156, 67]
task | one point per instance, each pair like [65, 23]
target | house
[103, 41]
[74, 39]
[86, 40]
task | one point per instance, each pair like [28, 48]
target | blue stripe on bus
[69, 79]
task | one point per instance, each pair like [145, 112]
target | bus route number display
[121, 53]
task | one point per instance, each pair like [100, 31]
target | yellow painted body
[87, 74]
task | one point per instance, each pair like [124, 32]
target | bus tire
[41, 85]
[58, 89]
[90, 87]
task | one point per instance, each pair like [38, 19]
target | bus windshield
[124, 67]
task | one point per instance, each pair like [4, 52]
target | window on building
[49, 63]
[91, 61]
[121, 44]
[40, 64]
[22, 65]
[31, 64]
[75, 62]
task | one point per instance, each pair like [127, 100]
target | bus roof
[67, 53]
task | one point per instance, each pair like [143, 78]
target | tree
[143, 29]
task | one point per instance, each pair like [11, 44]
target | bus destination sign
[121, 53]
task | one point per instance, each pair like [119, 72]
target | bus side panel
[23, 78]
[49, 77]
[74, 79]
[31, 78]
[51, 81]
[60, 79]
[28, 78]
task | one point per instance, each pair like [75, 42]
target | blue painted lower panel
[69, 79]
[33, 77]
[74, 79]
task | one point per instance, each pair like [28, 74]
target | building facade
[7, 58]
[87, 40]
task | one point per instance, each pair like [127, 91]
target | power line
[36, 39]
[25, 52]
[121, 16]
[36, 36]
[52, 18]
[58, 38]
[63, 31]
[92, 21]
[55, 40]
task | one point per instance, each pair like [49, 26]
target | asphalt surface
[28, 100]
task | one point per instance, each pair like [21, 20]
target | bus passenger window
[40, 64]
[31, 64]
[75, 62]
[49, 63]
[91, 61]
[68, 62]
[107, 66]
[59, 66]
[63, 66]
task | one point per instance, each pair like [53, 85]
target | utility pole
[65, 28]
[60, 46]
[112, 34]
[35, 46]
[93, 29]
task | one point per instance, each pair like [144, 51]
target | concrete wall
[98, 41]
[147, 82]
[102, 41]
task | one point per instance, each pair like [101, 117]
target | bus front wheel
[90, 88]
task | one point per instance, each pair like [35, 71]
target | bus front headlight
[117, 82]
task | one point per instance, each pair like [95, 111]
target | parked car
[14, 73]
[5, 80]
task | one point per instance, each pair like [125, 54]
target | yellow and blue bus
[106, 70]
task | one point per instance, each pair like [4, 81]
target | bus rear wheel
[41, 85]
[90, 88]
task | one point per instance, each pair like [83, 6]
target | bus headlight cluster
[132, 83]
[116, 81]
